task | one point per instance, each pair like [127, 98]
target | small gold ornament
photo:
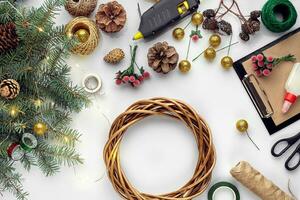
[82, 35]
[40, 128]
[215, 40]
[13, 111]
[185, 66]
[178, 33]
[242, 125]
[197, 18]
[227, 62]
[210, 53]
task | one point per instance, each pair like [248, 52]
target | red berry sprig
[129, 76]
[263, 65]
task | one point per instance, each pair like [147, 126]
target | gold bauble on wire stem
[185, 66]
[88, 46]
[242, 126]
[210, 53]
[215, 40]
[197, 18]
[178, 33]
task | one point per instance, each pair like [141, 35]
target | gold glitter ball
[185, 66]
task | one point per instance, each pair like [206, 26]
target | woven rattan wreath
[167, 107]
[84, 23]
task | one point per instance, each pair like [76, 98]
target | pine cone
[9, 88]
[8, 37]
[255, 14]
[225, 27]
[244, 36]
[247, 28]
[210, 24]
[114, 56]
[209, 13]
[111, 17]
[162, 58]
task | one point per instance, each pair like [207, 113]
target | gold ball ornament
[197, 18]
[40, 128]
[242, 125]
[227, 62]
[185, 66]
[210, 53]
[82, 35]
[178, 33]
[215, 40]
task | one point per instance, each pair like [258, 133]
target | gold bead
[210, 53]
[82, 35]
[178, 33]
[227, 62]
[14, 111]
[242, 125]
[215, 40]
[40, 128]
[185, 66]
[197, 18]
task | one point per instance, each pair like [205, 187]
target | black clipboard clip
[258, 96]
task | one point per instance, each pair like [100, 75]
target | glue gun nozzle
[138, 36]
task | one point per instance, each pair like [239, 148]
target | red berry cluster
[262, 65]
[129, 76]
[133, 79]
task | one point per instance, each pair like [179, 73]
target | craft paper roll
[257, 183]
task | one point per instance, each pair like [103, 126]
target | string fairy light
[40, 29]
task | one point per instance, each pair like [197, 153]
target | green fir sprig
[38, 65]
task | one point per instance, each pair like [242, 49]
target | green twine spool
[271, 12]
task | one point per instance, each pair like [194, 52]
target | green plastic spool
[272, 9]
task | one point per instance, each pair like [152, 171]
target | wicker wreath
[81, 7]
[171, 108]
[87, 47]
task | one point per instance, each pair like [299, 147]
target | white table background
[159, 155]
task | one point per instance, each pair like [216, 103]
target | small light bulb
[66, 138]
[13, 111]
[40, 29]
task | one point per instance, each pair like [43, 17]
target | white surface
[160, 155]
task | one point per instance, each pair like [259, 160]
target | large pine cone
[9, 88]
[111, 17]
[162, 58]
[8, 37]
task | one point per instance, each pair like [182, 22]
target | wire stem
[252, 141]
[188, 51]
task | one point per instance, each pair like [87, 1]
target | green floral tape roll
[223, 185]
[271, 12]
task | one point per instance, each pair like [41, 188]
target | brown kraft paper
[274, 85]
[257, 183]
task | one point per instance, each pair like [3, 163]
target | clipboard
[267, 93]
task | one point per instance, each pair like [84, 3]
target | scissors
[290, 142]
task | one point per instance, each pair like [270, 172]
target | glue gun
[163, 14]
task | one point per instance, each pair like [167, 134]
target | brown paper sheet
[274, 84]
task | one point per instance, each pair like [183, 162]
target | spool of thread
[270, 15]
[257, 183]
